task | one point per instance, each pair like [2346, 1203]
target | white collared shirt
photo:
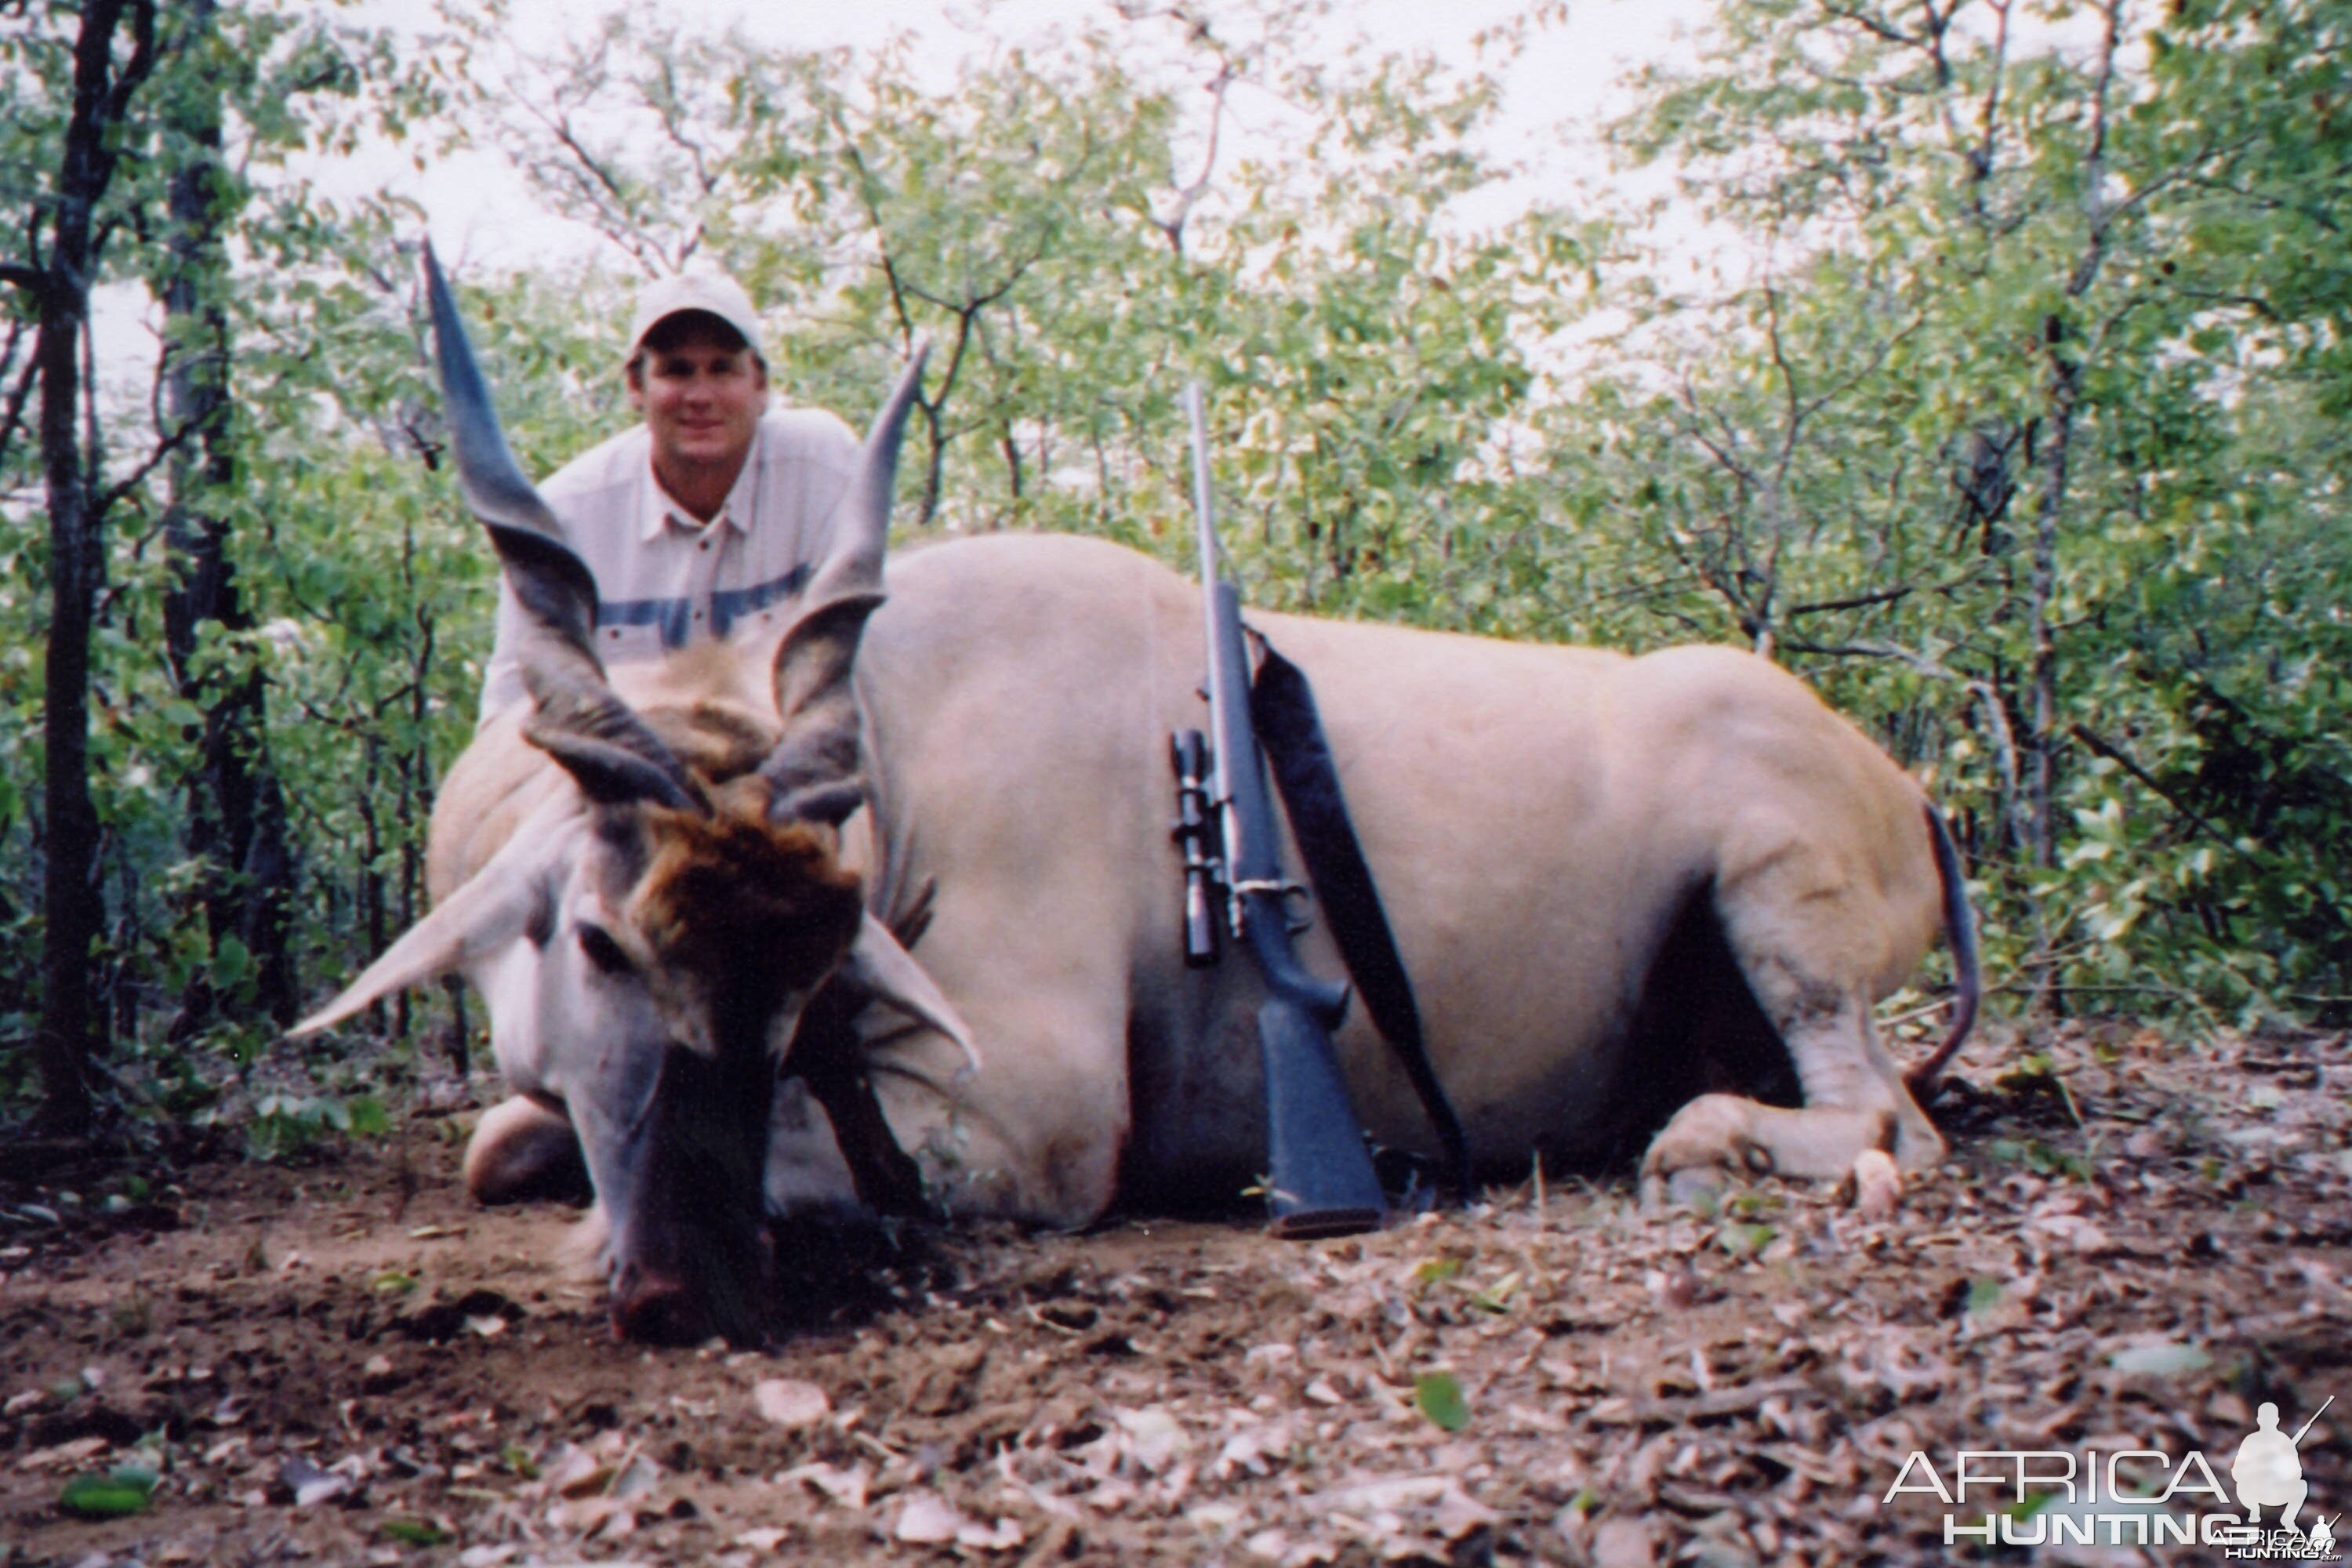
[664, 578]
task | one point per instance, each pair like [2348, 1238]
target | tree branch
[1886, 31]
[1189, 195]
[1859, 602]
[2116, 755]
[12, 421]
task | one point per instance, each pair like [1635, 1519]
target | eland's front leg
[524, 1148]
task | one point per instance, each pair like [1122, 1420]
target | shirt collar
[660, 513]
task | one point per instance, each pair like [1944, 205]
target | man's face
[701, 399]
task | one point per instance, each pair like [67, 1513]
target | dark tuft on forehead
[752, 910]
[717, 741]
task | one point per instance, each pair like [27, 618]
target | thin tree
[114, 54]
[236, 826]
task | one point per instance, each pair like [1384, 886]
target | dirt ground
[2137, 1243]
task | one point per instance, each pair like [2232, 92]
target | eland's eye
[603, 950]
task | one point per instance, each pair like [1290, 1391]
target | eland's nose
[652, 1308]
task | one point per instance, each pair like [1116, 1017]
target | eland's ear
[814, 766]
[500, 903]
[886, 973]
[552, 586]
[610, 772]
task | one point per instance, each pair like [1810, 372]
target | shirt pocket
[628, 644]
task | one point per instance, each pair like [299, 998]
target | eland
[891, 902]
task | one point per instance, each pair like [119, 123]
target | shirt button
[704, 545]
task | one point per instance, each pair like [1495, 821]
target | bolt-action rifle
[1322, 1181]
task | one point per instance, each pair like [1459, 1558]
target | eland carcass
[1630, 892]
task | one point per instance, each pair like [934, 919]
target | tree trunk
[2041, 590]
[72, 909]
[241, 884]
[371, 911]
[70, 1034]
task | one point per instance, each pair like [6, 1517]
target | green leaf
[2164, 1359]
[1439, 1395]
[118, 1494]
[413, 1532]
[232, 964]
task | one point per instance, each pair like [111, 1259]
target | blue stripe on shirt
[676, 617]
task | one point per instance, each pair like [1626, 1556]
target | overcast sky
[478, 209]
[1568, 70]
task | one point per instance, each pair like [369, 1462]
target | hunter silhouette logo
[2268, 1473]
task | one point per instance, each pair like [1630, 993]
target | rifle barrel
[1203, 514]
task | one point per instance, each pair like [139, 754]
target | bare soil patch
[2137, 1243]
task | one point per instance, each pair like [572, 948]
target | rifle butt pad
[1321, 1181]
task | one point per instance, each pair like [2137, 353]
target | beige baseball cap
[712, 292]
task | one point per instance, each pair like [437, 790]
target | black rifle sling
[1281, 711]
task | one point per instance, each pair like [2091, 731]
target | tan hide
[1537, 819]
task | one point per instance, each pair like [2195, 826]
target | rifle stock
[1320, 1182]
